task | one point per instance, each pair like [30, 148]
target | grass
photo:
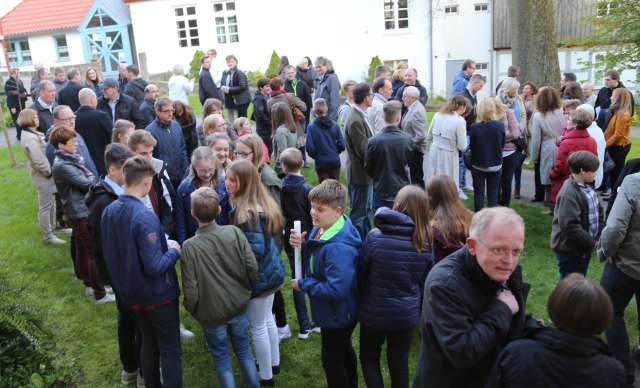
[87, 333]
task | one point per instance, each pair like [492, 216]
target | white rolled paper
[298, 252]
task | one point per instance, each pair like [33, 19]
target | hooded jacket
[391, 273]
[325, 142]
[330, 276]
[553, 358]
[186, 225]
[296, 206]
[99, 197]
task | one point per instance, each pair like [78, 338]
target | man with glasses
[118, 105]
[462, 78]
[474, 303]
[63, 115]
[171, 146]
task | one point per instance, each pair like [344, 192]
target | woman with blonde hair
[92, 81]
[250, 147]
[511, 155]
[450, 218]
[179, 85]
[618, 130]
[34, 147]
[260, 219]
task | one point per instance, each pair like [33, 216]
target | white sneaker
[107, 298]
[468, 188]
[284, 332]
[66, 231]
[462, 195]
[184, 333]
[88, 291]
[128, 377]
[53, 239]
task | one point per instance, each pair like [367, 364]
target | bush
[371, 74]
[194, 66]
[274, 62]
[253, 77]
[28, 355]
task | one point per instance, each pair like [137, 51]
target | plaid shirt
[594, 208]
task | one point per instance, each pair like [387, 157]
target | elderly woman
[448, 136]
[546, 128]
[512, 156]
[179, 85]
[328, 86]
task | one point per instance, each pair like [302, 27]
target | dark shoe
[267, 383]
[636, 353]
[537, 200]
[275, 369]
[516, 194]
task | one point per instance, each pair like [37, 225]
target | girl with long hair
[395, 259]
[618, 130]
[284, 130]
[260, 219]
[450, 219]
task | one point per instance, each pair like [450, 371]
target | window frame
[19, 52]
[224, 35]
[482, 66]
[449, 7]
[187, 28]
[395, 10]
[477, 5]
[60, 58]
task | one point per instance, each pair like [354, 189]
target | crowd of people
[140, 183]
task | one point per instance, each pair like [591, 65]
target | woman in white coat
[448, 134]
[179, 85]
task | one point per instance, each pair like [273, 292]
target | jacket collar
[577, 134]
[211, 228]
[563, 342]
[474, 272]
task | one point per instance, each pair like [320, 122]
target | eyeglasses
[242, 154]
[502, 251]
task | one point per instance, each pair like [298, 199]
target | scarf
[77, 159]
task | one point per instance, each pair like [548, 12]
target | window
[607, 7]
[396, 14]
[187, 26]
[482, 66]
[451, 9]
[226, 21]
[19, 53]
[100, 19]
[481, 7]
[62, 50]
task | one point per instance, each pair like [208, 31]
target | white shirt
[596, 133]
[179, 86]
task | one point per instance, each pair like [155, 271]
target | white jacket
[179, 86]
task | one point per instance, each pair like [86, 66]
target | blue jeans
[299, 299]
[462, 179]
[568, 263]
[160, 330]
[490, 180]
[360, 198]
[621, 289]
[216, 336]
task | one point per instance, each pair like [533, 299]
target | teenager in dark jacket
[324, 143]
[261, 113]
[571, 355]
[296, 206]
[395, 258]
[141, 262]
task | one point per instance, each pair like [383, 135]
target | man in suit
[94, 126]
[476, 82]
[235, 87]
[16, 97]
[44, 104]
[118, 105]
[413, 124]
[357, 134]
[207, 87]
[68, 95]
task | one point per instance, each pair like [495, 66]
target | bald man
[94, 126]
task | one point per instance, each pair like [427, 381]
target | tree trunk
[533, 41]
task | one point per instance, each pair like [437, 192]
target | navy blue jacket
[261, 114]
[186, 225]
[330, 276]
[265, 249]
[296, 206]
[171, 147]
[391, 273]
[325, 142]
[135, 250]
[486, 143]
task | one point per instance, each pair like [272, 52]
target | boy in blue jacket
[141, 263]
[324, 143]
[331, 252]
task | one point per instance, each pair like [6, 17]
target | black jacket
[603, 100]
[261, 114]
[45, 116]
[423, 93]
[135, 89]
[73, 183]
[551, 358]
[16, 94]
[471, 115]
[126, 108]
[388, 155]
[238, 89]
[465, 326]
[207, 88]
[99, 197]
[68, 95]
[486, 140]
[95, 128]
[303, 92]
[190, 135]
[147, 112]
[296, 206]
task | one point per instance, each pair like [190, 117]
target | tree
[615, 29]
[533, 41]
[194, 66]
[274, 63]
[371, 74]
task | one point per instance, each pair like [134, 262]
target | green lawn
[86, 333]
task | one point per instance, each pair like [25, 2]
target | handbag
[521, 143]
[608, 164]
[298, 115]
[467, 158]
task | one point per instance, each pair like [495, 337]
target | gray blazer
[413, 124]
[356, 135]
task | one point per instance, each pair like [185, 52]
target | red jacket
[575, 140]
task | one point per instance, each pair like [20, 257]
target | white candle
[298, 251]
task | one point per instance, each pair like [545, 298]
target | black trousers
[267, 140]
[129, 338]
[509, 164]
[279, 310]
[415, 169]
[618, 154]
[398, 346]
[539, 193]
[338, 357]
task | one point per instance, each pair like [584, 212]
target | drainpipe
[430, 46]
[492, 52]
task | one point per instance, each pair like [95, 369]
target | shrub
[194, 66]
[253, 77]
[274, 62]
[371, 74]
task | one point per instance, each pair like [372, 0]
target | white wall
[347, 32]
[43, 50]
